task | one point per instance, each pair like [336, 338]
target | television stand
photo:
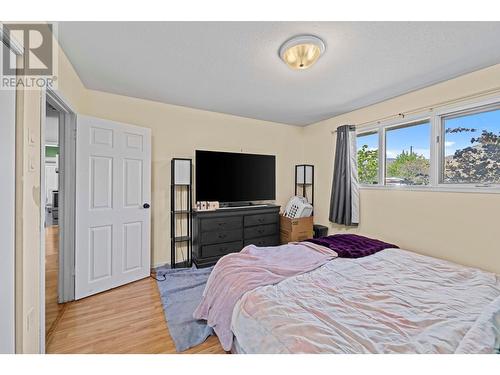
[220, 232]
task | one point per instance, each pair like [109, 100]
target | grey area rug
[181, 292]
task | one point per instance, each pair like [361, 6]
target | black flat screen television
[230, 177]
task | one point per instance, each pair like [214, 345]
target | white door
[113, 190]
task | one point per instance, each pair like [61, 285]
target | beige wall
[179, 131]
[462, 227]
[69, 83]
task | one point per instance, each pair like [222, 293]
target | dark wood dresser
[224, 231]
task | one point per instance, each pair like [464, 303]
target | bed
[394, 301]
[308, 298]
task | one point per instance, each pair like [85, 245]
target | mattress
[394, 301]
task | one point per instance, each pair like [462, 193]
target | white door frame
[43, 103]
[67, 120]
[7, 222]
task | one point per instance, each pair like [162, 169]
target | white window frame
[463, 111]
[435, 116]
[420, 120]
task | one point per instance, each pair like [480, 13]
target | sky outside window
[416, 137]
[489, 121]
[371, 140]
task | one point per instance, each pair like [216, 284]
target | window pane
[472, 148]
[368, 158]
[407, 155]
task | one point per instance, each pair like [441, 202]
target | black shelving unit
[181, 210]
[305, 182]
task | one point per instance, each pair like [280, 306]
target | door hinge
[437, 139]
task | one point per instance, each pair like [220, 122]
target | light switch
[31, 164]
[31, 137]
[29, 320]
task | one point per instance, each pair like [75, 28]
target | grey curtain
[344, 201]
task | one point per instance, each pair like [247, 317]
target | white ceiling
[234, 67]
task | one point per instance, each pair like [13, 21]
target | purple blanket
[235, 274]
[352, 245]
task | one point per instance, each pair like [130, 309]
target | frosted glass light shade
[302, 51]
[182, 173]
[304, 174]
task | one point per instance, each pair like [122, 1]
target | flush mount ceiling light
[300, 52]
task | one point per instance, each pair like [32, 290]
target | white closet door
[113, 190]
[7, 213]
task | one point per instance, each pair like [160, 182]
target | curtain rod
[430, 108]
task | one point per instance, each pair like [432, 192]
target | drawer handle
[223, 249]
[261, 220]
[222, 236]
[221, 224]
[260, 231]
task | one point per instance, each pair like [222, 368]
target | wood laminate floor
[53, 310]
[128, 319]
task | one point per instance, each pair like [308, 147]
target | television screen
[234, 177]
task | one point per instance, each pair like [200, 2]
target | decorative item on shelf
[304, 180]
[180, 212]
[213, 206]
[207, 206]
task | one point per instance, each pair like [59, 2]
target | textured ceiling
[234, 67]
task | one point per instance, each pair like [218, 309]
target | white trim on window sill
[439, 188]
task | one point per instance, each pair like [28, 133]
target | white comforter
[392, 302]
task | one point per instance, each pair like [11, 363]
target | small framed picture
[213, 205]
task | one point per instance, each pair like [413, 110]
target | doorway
[53, 308]
[57, 195]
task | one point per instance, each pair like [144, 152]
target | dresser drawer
[261, 231]
[264, 241]
[221, 223]
[221, 249]
[221, 236]
[261, 219]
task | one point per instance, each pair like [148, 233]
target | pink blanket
[235, 274]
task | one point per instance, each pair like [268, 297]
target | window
[455, 149]
[407, 154]
[367, 145]
[471, 148]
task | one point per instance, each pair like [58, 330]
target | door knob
[146, 205]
